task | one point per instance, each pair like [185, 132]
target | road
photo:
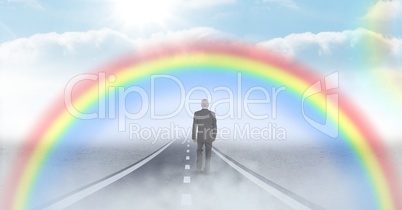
[167, 179]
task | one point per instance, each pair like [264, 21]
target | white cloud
[349, 48]
[53, 52]
[199, 33]
[295, 45]
[385, 11]
[42, 51]
[285, 3]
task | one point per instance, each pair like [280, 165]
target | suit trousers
[208, 150]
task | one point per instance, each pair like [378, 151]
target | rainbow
[354, 129]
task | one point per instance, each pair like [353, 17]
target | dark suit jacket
[205, 121]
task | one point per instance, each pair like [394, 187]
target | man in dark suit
[204, 133]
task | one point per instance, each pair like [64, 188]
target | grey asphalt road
[169, 181]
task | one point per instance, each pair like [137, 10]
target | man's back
[204, 133]
[205, 121]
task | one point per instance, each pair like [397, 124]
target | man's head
[204, 103]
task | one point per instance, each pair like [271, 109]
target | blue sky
[45, 43]
[255, 20]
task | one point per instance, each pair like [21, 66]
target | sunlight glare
[142, 12]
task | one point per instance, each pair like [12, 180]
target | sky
[45, 43]
[255, 21]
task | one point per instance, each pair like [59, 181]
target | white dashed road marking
[186, 179]
[186, 199]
